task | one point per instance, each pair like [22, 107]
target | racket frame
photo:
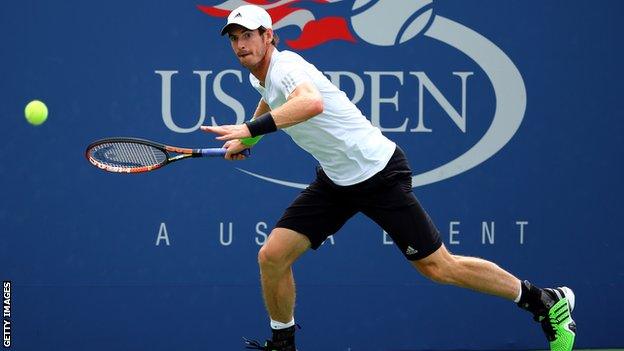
[166, 149]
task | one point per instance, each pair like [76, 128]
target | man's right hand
[234, 147]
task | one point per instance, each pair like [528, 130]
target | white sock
[279, 325]
[519, 293]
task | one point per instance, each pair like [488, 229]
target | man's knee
[441, 267]
[269, 256]
[282, 248]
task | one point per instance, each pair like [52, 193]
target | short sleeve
[288, 77]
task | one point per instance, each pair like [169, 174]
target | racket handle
[220, 152]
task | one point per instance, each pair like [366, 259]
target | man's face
[248, 45]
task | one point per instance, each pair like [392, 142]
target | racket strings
[128, 154]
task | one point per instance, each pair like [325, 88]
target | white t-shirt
[348, 147]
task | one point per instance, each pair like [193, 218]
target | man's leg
[320, 210]
[282, 249]
[390, 202]
[551, 307]
[469, 272]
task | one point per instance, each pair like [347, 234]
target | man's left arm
[302, 104]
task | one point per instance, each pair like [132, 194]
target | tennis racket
[134, 155]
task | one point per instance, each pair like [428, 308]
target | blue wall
[80, 245]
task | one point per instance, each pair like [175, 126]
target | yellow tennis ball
[36, 112]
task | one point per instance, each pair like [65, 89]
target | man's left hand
[228, 132]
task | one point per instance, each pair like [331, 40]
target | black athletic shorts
[386, 198]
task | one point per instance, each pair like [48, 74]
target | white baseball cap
[249, 16]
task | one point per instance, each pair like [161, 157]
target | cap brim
[247, 24]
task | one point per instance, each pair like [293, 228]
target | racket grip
[220, 152]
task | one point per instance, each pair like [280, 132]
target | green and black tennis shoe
[558, 324]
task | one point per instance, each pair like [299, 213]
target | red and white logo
[378, 22]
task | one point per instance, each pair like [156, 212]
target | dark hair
[275, 40]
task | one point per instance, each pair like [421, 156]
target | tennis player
[360, 171]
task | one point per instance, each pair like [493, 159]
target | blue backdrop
[528, 91]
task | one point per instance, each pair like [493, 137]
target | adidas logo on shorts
[411, 251]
